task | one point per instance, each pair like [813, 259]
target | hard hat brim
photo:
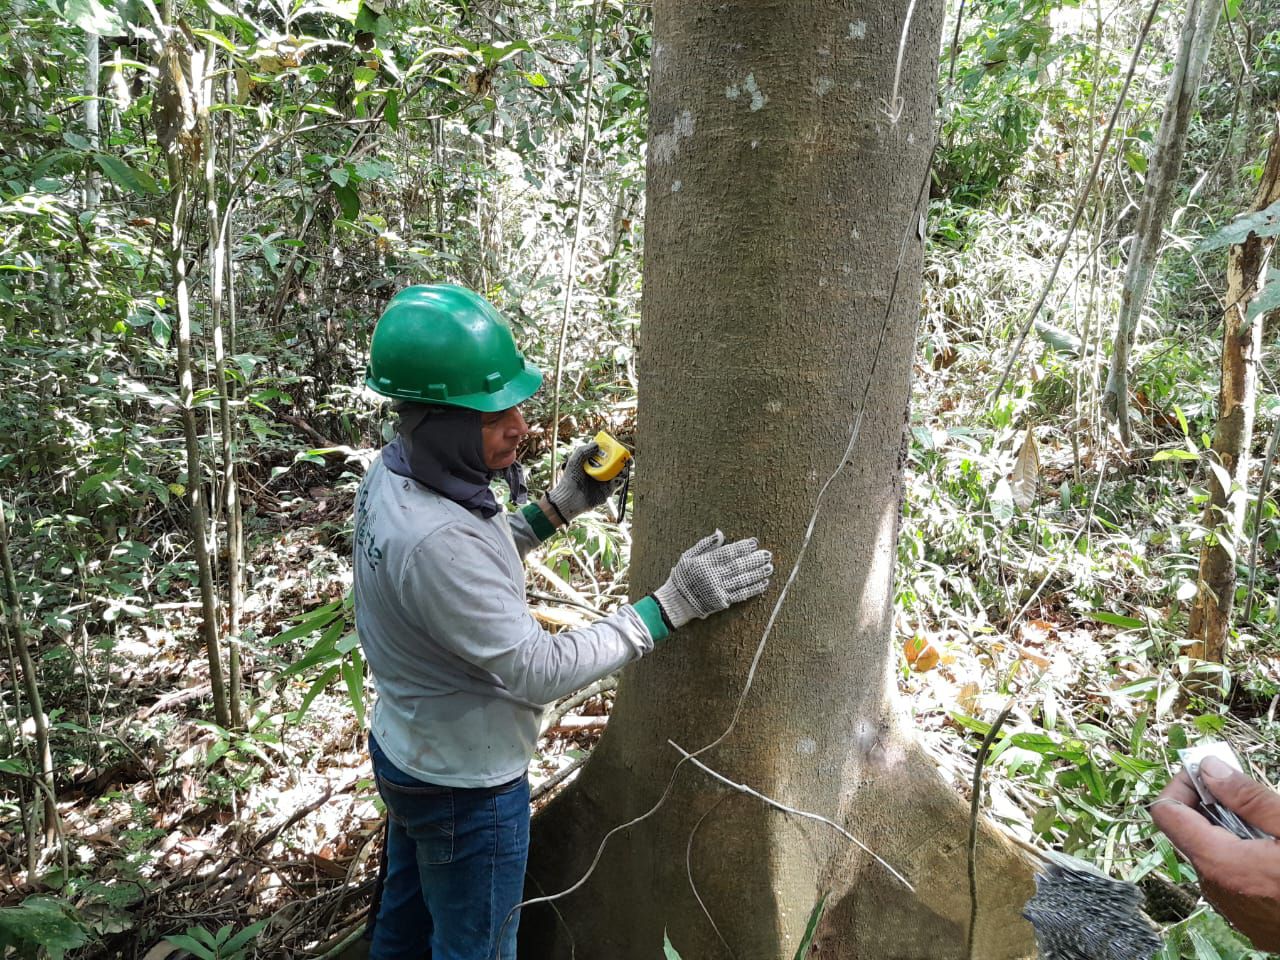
[515, 391]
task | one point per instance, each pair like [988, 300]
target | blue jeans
[455, 867]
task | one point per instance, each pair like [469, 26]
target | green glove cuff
[651, 614]
[542, 527]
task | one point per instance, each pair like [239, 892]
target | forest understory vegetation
[335, 151]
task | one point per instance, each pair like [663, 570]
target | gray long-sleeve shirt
[461, 667]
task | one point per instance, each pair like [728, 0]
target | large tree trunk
[1162, 177]
[1224, 513]
[779, 196]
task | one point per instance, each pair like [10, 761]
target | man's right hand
[1241, 878]
[711, 576]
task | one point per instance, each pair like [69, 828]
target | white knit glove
[711, 576]
[577, 492]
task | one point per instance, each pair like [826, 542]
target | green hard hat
[441, 343]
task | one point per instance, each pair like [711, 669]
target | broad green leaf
[1002, 506]
[668, 951]
[244, 936]
[124, 175]
[91, 16]
[1117, 620]
[1266, 301]
[248, 30]
[191, 945]
[349, 200]
[43, 921]
[1060, 340]
[1221, 475]
[391, 111]
[1174, 453]
[220, 39]
[1265, 223]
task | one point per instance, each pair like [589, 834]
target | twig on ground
[557, 778]
[557, 713]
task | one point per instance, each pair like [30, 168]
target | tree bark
[1162, 177]
[219, 244]
[780, 194]
[182, 128]
[1210, 620]
[40, 723]
[92, 73]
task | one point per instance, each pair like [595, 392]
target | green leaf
[320, 684]
[190, 945]
[811, 928]
[349, 200]
[668, 951]
[320, 653]
[43, 921]
[1203, 948]
[391, 110]
[353, 677]
[91, 16]
[244, 936]
[1266, 301]
[161, 329]
[310, 622]
[220, 39]
[340, 175]
[1174, 453]
[1264, 223]
[124, 175]
[1117, 620]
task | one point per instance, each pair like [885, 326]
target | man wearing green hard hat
[463, 671]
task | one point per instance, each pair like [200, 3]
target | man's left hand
[577, 492]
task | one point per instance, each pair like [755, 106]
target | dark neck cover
[441, 448]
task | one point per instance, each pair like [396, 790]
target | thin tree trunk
[783, 246]
[92, 71]
[1162, 178]
[219, 242]
[1193, 48]
[1228, 479]
[179, 186]
[16, 627]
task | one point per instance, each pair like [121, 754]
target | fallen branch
[558, 712]
[578, 724]
[557, 778]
